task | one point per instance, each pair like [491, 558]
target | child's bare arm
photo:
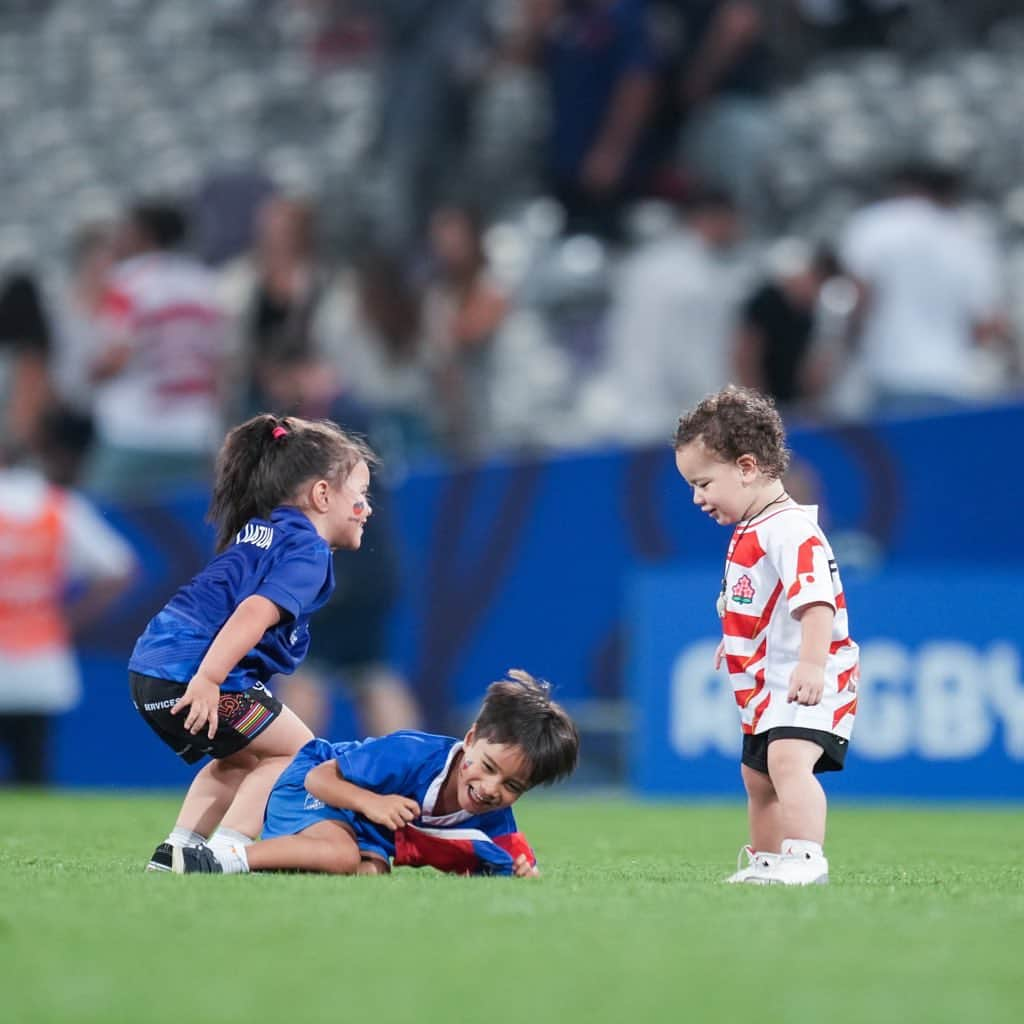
[807, 683]
[326, 783]
[239, 635]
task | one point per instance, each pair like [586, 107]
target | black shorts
[755, 747]
[242, 716]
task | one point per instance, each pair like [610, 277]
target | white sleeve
[93, 548]
[803, 563]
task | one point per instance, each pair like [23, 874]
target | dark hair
[264, 462]
[162, 223]
[519, 711]
[737, 421]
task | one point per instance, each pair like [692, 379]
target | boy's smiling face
[490, 775]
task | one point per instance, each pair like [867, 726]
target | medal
[720, 603]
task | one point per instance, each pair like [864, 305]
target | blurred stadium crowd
[497, 226]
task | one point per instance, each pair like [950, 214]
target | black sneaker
[191, 860]
[161, 859]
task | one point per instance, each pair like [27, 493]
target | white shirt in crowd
[931, 277]
[670, 336]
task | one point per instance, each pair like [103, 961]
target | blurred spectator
[50, 539]
[672, 323]
[24, 349]
[371, 327]
[721, 73]
[349, 640]
[77, 307]
[464, 309]
[600, 65]
[158, 373]
[777, 325]
[275, 294]
[349, 645]
[433, 54]
[930, 293]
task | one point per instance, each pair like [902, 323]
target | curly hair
[737, 421]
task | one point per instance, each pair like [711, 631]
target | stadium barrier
[527, 564]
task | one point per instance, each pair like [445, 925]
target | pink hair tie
[278, 432]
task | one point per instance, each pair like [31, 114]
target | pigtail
[265, 461]
[238, 482]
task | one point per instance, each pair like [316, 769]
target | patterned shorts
[242, 716]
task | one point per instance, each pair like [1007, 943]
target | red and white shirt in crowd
[164, 306]
[779, 562]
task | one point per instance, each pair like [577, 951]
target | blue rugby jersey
[282, 559]
[406, 763]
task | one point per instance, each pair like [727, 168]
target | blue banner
[940, 710]
[526, 563]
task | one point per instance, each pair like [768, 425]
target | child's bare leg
[763, 811]
[803, 806]
[212, 791]
[327, 847]
[273, 748]
[373, 866]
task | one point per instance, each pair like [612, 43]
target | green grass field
[924, 921]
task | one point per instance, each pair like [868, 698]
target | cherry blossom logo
[743, 592]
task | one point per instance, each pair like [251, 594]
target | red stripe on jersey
[748, 551]
[838, 645]
[116, 303]
[845, 677]
[804, 565]
[841, 713]
[840, 600]
[737, 664]
[179, 311]
[744, 697]
[760, 710]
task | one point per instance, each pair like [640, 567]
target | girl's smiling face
[350, 508]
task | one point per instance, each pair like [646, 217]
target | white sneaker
[757, 869]
[799, 869]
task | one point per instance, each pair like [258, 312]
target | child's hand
[524, 868]
[201, 697]
[806, 684]
[719, 653]
[392, 812]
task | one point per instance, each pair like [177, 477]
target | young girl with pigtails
[286, 493]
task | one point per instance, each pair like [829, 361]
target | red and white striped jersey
[778, 563]
[167, 396]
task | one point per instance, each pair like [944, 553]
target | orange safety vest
[32, 580]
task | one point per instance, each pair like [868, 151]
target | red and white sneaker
[799, 867]
[752, 867]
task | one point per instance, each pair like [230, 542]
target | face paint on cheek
[358, 508]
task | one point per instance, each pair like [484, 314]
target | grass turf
[924, 921]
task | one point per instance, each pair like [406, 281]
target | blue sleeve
[296, 577]
[385, 765]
